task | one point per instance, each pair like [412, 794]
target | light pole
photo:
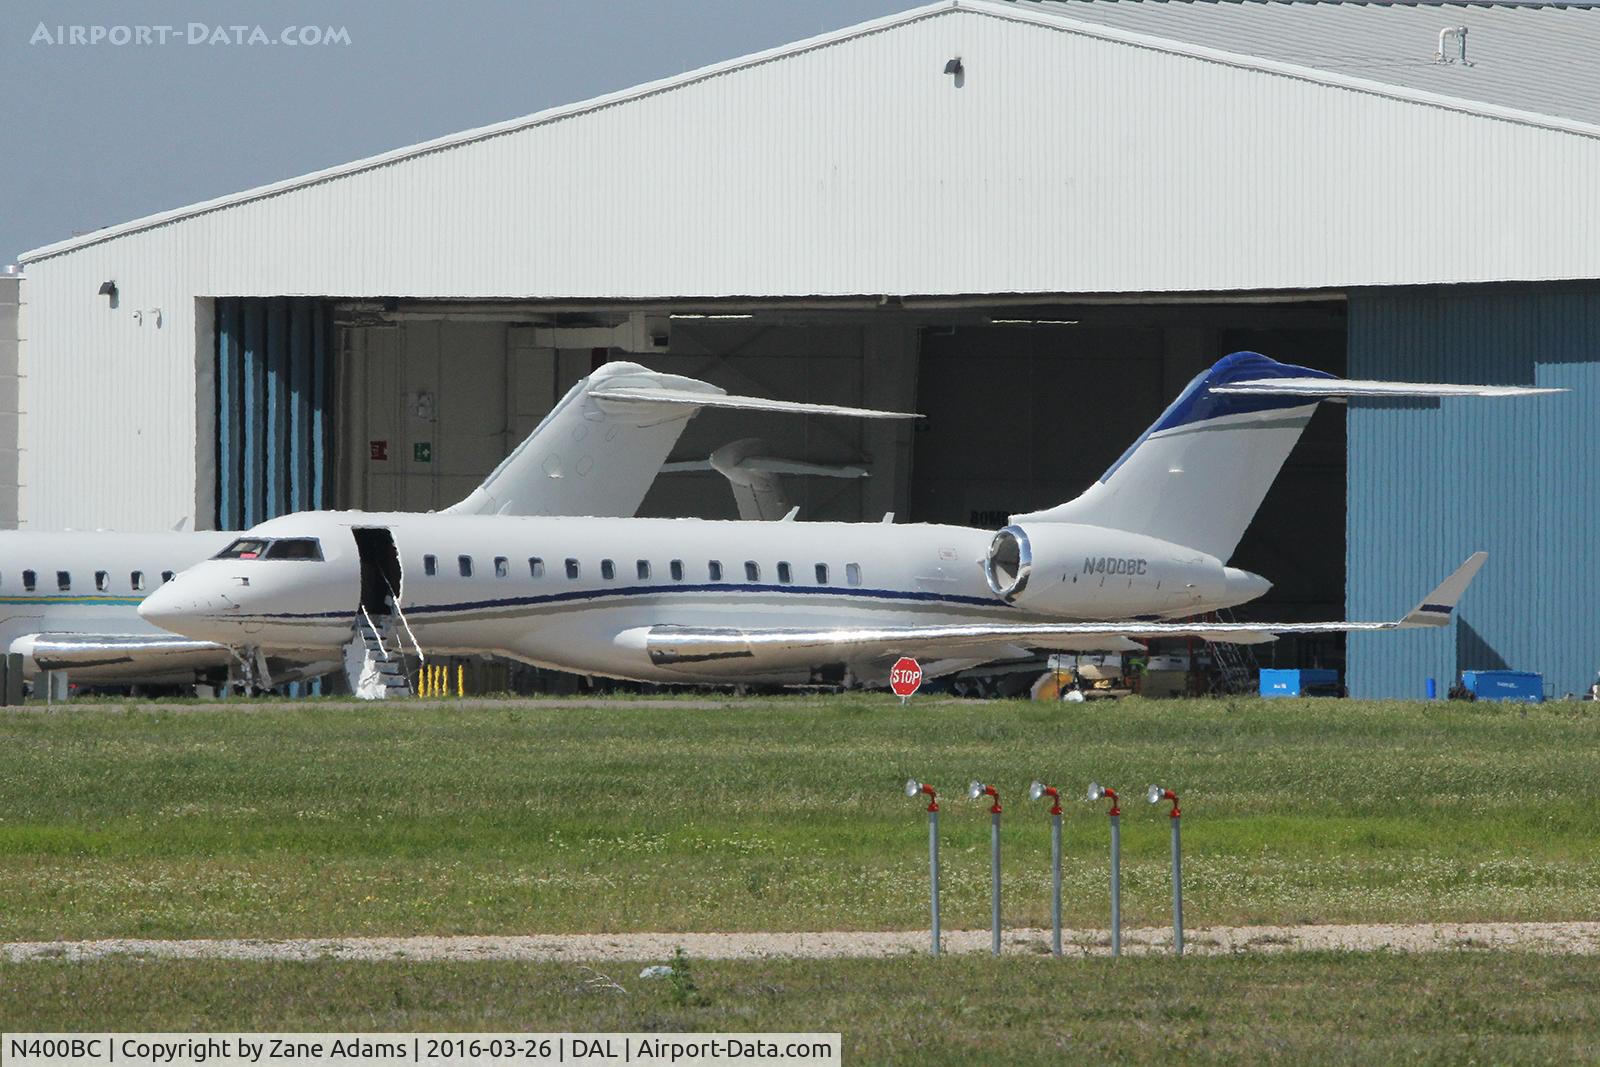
[1101, 792]
[1035, 791]
[916, 788]
[974, 791]
[1156, 794]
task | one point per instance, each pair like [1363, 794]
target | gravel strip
[1570, 938]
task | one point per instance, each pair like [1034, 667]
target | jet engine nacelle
[1091, 572]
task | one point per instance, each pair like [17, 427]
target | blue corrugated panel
[273, 387]
[1430, 483]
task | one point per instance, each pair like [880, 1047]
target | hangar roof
[1071, 156]
[1538, 57]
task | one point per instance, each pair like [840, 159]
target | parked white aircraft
[68, 600]
[784, 602]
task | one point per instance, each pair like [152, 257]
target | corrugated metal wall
[1063, 162]
[1428, 484]
[274, 385]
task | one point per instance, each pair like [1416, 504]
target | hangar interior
[1025, 406]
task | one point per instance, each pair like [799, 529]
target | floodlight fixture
[1156, 794]
[1104, 792]
[915, 788]
[977, 789]
[1039, 789]
[954, 66]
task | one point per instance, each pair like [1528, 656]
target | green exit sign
[422, 451]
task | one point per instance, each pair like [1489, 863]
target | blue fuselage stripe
[575, 595]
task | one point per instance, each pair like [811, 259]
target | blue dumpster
[1310, 682]
[1505, 685]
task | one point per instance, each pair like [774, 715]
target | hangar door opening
[1027, 413]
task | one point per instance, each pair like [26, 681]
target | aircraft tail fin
[599, 449]
[1197, 476]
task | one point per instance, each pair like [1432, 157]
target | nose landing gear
[249, 674]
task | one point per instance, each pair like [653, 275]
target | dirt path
[1579, 938]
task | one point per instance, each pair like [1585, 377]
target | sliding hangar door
[407, 407]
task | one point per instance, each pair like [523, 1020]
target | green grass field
[326, 818]
[1456, 1007]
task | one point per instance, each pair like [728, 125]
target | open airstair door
[374, 661]
[380, 570]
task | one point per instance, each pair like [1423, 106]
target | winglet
[1437, 606]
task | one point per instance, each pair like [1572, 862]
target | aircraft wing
[668, 645]
[1343, 388]
[111, 658]
[156, 659]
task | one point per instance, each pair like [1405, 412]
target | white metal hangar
[1032, 220]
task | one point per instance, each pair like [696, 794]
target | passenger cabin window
[608, 570]
[852, 573]
[643, 566]
[752, 571]
[535, 567]
[29, 580]
[102, 581]
[430, 565]
[464, 564]
[572, 569]
[676, 567]
[167, 576]
[63, 580]
[784, 574]
[244, 548]
[822, 574]
[502, 567]
[295, 548]
[136, 580]
[714, 570]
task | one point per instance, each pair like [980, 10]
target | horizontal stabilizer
[1342, 388]
[690, 398]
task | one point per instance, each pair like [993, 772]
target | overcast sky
[93, 134]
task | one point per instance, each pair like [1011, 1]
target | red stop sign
[905, 676]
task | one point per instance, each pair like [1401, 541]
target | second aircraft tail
[1198, 474]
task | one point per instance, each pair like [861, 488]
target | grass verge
[783, 814]
[1456, 1007]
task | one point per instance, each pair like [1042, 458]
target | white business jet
[68, 600]
[685, 600]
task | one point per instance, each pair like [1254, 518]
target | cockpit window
[244, 548]
[295, 548]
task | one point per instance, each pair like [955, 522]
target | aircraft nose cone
[177, 611]
[161, 606]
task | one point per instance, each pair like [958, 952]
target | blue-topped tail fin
[1197, 476]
